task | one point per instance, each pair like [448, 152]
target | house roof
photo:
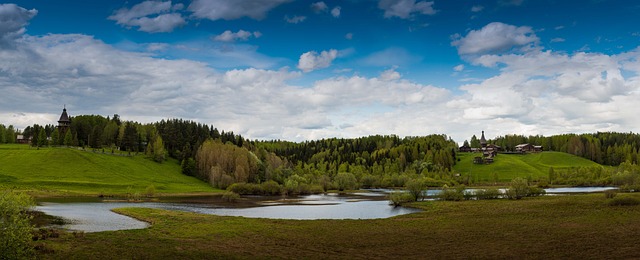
[64, 117]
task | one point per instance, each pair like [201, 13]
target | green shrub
[399, 197]
[624, 201]
[150, 191]
[245, 188]
[15, 228]
[452, 194]
[270, 188]
[519, 189]
[415, 188]
[345, 181]
[488, 194]
[230, 196]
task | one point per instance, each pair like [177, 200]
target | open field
[509, 166]
[70, 171]
[558, 227]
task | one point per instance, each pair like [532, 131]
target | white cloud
[348, 36]
[389, 75]
[458, 68]
[295, 19]
[319, 7]
[241, 35]
[310, 61]
[404, 9]
[477, 8]
[13, 20]
[150, 16]
[335, 12]
[557, 40]
[494, 38]
[232, 9]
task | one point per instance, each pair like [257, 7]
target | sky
[306, 70]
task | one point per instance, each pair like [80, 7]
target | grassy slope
[509, 166]
[67, 170]
[550, 227]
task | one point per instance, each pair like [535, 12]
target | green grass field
[509, 166]
[69, 171]
[548, 227]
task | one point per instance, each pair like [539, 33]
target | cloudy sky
[301, 70]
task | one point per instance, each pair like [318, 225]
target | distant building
[64, 123]
[21, 140]
[528, 148]
[489, 151]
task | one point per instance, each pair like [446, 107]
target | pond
[96, 215]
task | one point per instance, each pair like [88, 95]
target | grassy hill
[72, 171]
[509, 166]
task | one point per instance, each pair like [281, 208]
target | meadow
[557, 227]
[69, 171]
[509, 166]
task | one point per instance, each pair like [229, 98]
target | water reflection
[97, 216]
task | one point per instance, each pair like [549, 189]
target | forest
[229, 161]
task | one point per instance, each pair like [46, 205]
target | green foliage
[230, 196]
[397, 198]
[520, 188]
[452, 194]
[155, 148]
[345, 181]
[225, 164]
[15, 228]
[150, 191]
[488, 194]
[416, 188]
[68, 139]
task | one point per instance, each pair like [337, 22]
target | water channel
[95, 215]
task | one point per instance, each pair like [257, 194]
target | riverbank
[578, 226]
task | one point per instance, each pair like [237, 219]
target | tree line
[224, 158]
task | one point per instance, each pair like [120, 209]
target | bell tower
[64, 123]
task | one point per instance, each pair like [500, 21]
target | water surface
[97, 216]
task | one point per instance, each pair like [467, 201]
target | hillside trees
[224, 164]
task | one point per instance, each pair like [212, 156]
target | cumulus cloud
[404, 9]
[241, 35]
[310, 61]
[389, 75]
[150, 16]
[295, 19]
[232, 9]
[319, 7]
[494, 38]
[13, 20]
[335, 12]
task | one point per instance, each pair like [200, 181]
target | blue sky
[300, 70]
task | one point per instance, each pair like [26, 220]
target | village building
[528, 148]
[489, 151]
[64, 123]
